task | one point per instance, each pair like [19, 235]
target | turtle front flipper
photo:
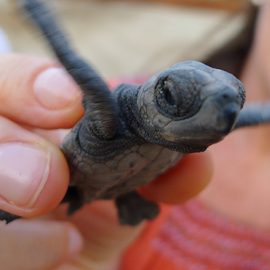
[7, 217]
[97, 99]
[253, 114]
[133, 209]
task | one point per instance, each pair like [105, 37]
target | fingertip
[59, 99]
[182, 182]
[75, 241]
[37, 92]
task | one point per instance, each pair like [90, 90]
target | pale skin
[37, 98]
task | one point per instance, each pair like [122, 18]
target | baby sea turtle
[128, 137]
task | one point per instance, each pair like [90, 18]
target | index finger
[182, 182]
[36, 92]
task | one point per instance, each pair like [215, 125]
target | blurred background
[127, 38]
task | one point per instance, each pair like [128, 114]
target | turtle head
[189, 106]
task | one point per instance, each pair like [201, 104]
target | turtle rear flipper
[74, 198]
[133, 209]
[7, 217]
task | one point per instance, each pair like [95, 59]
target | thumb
[37, 92]
[33, 172]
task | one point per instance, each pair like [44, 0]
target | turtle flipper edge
[7, 217]
[133, 208]
[97, 98]
[253, 114]
[74, 198]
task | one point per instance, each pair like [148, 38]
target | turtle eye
[176, 99]
[168, 96]
[165, 94]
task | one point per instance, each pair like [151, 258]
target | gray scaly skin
[128, 137]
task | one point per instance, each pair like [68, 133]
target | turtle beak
[229, 103]
[229, 118]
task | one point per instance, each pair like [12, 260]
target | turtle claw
[7, 217]
[73, 207]
[133, 209]
[74, 199]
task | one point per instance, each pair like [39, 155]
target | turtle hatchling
[129, 136]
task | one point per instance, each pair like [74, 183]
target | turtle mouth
[206, 134]
[206, 140]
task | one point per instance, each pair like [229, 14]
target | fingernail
[24, 170]
[55, 89]
[75, 241]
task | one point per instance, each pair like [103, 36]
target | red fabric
[129, 80]
[192, 237]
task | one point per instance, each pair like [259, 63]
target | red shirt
[192, 237]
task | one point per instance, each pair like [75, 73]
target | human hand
[37, 98]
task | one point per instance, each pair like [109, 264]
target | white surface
[126, 39]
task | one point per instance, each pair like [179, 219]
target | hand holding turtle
[33, 108]
[128, 138]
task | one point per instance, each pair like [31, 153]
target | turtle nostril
[225, 96]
